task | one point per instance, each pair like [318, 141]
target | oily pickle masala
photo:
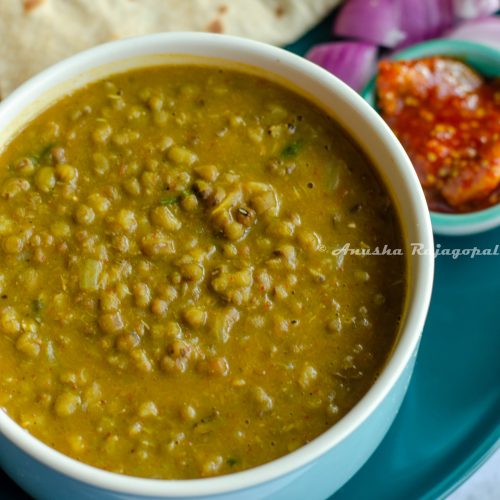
[447, 116]
[172, 300]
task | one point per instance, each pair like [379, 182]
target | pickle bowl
[486, 61]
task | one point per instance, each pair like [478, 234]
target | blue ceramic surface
[449, 422]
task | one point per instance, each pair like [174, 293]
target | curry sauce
[173, 301]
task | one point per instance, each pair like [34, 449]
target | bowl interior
[486, 61]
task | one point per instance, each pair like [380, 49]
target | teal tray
[449, 422]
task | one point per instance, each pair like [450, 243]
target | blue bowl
[486, 61]
[323, 465]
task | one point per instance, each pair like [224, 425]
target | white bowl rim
[400, 358]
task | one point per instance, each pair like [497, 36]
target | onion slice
[399, 23]
[472, 9]
[485, 31]
[373, 21]
[353, 62]
[424, 19]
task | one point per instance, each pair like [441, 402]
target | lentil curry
[174, 303]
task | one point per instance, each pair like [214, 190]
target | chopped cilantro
[37, 305]
[43, 154]
[170, 201]
[291, 150]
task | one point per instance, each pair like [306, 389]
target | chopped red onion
[485, 31]
[399, 23]
[353, 62]
[471, 9]
[424, 19]
[373, 21]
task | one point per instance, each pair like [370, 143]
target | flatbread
[37, 33]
